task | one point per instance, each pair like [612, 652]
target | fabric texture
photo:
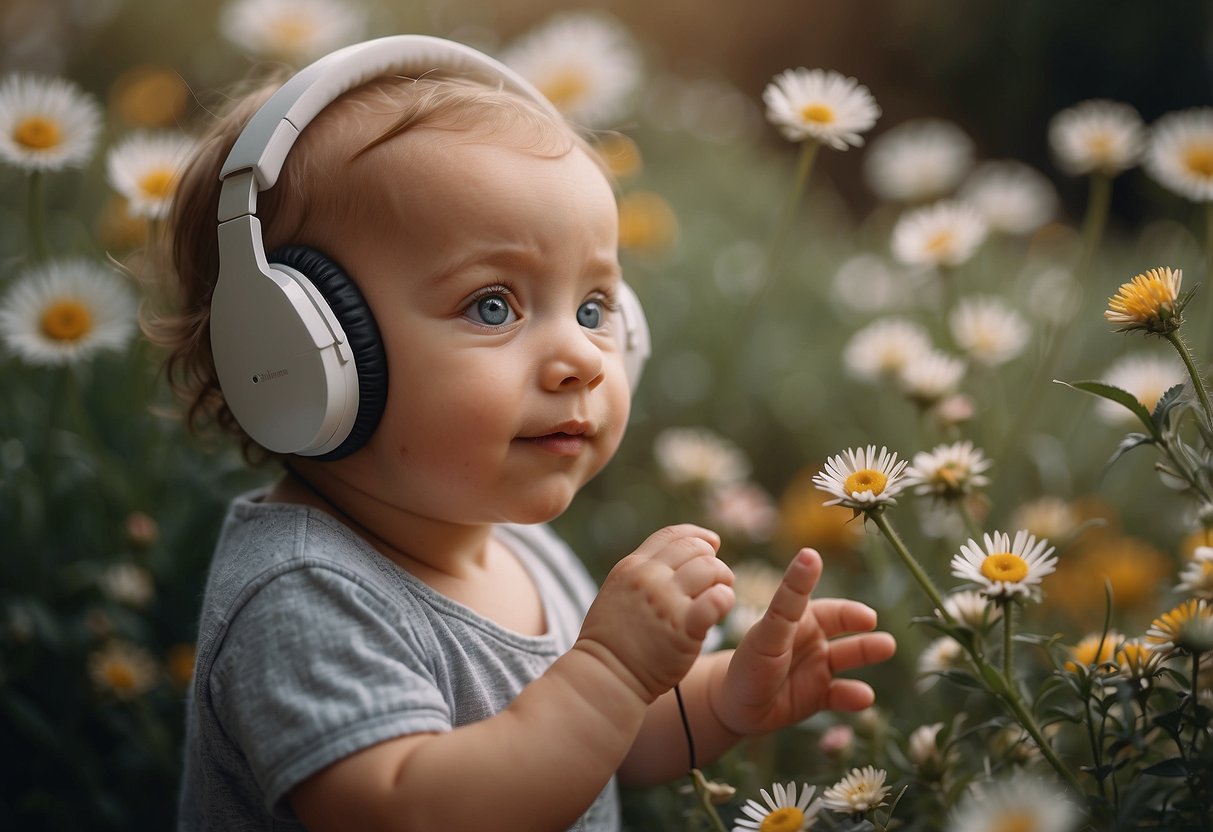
[312, 646]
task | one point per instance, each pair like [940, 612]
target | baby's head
[481, 231]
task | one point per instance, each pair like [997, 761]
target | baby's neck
[465, 563]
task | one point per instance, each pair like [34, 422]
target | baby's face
[495, 295]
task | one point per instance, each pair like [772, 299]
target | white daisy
[1146, 377]
[1179, 155]
[868, 283]
[1012, 197]
[1005, 569]
[946, 233]
[744, 510]
[1050, 517]
[1016, 803]
[948, 471]
[64, 311]
[699, 457]
[1053, 295]
[943, 654]
[587, 64]
[1096, 136]
[918, 160]
[1174, 630]
[783, 812]
[128, 584]
[971, 608]
[989, 331]
[820, 105]
[1196, 579]
[123, 670]
[296, 31]
[862, 790]
[144, 168]
[46, 124]
[861, 478]
[931, 376]
[754, 585]
[880, 350]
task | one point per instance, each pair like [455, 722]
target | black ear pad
[361, 332]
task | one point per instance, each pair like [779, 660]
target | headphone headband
[264, 143]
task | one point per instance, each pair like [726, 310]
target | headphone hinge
[238, 196]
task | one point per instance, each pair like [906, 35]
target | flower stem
[705, 801]
[1011, 697]
[1099, 200]
[36, 208]
[804, 167]
[1008, 640]
[1198, 381]
[1208, 316]
[916, 570]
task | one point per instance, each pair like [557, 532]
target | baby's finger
[697, 574]
[663, 537]
[849, 695]
[708, 610]
[840, 615]
[850, 652]
[775, 632]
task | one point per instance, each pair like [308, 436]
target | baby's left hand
[783, 669]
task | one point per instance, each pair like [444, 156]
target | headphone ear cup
[354, 315]
[634, 335]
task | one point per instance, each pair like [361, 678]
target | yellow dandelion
[804, 516]
[150, 96]
[1094, 650]
[620, 154]
[1149, 302]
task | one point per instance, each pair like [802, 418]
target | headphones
[297, 352]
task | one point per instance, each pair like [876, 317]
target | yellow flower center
[289, 34]
[67, 319]
[940, 243]
[565, 88]
[866, 479]
[1100, 146]
[787, 819]
[1198, 159]
[119, 675]
[1015, 822]
[1133, 658]
[157, 183]
[1004, 566]
[950, 475]
[37, 133]
[817, 113]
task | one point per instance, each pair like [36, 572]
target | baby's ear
[633, 334]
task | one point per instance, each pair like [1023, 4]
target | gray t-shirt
[312, 646]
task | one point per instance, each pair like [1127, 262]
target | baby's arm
[781, 672]
[541, 762]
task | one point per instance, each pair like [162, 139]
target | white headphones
[297, 351]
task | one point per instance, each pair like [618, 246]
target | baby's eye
[491, 310]
[592, 313]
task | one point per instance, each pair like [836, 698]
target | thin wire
[686, 728]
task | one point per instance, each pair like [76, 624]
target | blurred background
[94, 475]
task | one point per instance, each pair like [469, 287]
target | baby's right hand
[656, 607]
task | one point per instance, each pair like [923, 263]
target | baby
[391, 638]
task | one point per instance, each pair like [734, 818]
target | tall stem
[705, 801]
[1099, 201]
[36, 219]
[1198, 381]
[1207, 318]
[804, 167]
[911, 563]
[1008, 641]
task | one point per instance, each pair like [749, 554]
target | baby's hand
[656, 606]
[783, 669]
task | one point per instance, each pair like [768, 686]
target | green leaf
[1131, 441]
[1174, 767]
[1121, 397]
[1166, 403]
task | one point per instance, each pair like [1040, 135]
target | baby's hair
[314, 195]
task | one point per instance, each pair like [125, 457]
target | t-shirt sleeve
[314, 667]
